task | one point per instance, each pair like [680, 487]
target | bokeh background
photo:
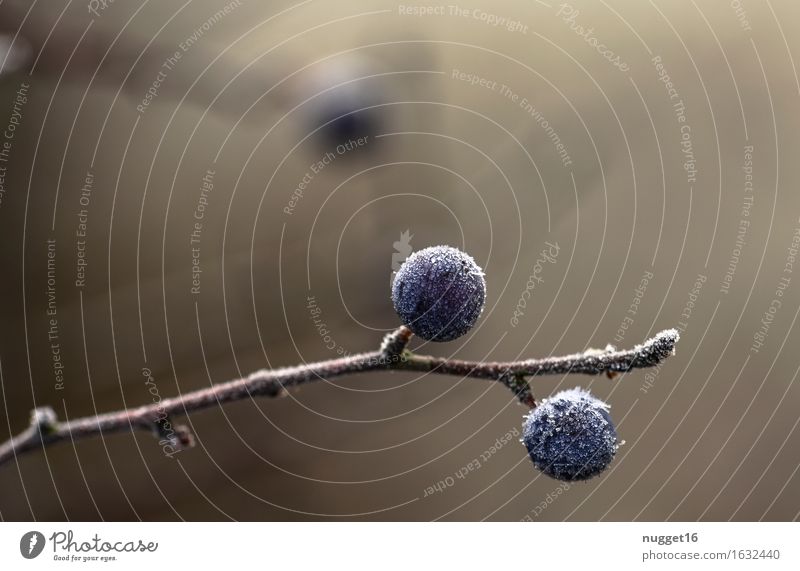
[503, 128]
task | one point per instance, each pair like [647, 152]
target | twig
[46, 429]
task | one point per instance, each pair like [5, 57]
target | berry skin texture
[439, 293]
[570, 436]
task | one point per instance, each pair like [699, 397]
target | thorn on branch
[179, 437]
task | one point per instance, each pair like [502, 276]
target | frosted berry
[570, 436]
[439, 293]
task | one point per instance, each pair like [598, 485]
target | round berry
[570, 436]
[439, 293]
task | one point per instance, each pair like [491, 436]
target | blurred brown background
[710, 435]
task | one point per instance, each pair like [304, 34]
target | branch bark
[46, 429]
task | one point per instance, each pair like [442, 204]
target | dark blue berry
[439, 293]
[340, 124]
[570, 436]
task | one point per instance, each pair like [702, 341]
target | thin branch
[46, 429]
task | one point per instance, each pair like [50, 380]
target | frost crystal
[570, 436]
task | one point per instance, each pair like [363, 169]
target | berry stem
[46, 429]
